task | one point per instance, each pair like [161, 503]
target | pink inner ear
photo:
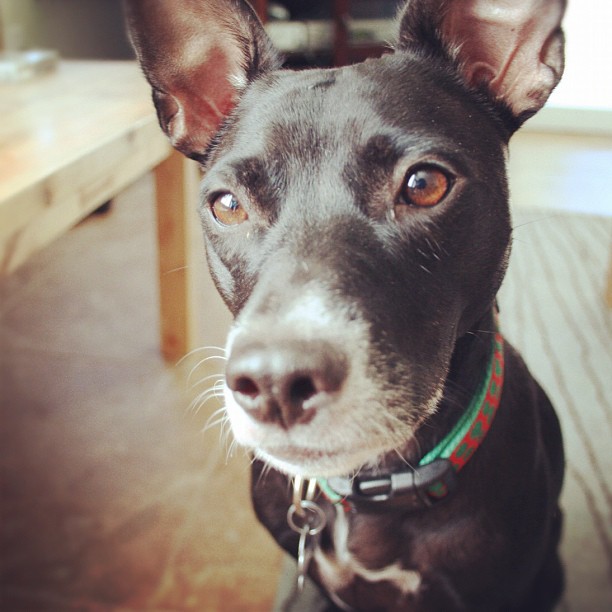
[204, 95]
[511, 45]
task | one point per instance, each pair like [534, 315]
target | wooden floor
[113, 497]
[553, 310]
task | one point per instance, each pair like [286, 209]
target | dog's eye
[227, 210]
[425, 186]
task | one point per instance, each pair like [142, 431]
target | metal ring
[311, 527]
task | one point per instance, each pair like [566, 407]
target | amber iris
[425, 186]
[227, 210]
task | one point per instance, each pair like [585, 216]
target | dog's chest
[339, 568]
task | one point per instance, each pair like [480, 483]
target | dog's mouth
[341, 439]
[336, 443]
[296, 460]
[314, 462]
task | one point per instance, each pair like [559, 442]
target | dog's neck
[468, 365]
[372, 535]
[469, 362]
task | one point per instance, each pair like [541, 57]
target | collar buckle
[414, 489]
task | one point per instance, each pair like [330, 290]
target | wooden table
[72, 140]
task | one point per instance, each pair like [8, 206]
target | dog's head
[356, 219]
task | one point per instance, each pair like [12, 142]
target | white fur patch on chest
[339, 568]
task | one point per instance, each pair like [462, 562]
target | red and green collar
[435, 476]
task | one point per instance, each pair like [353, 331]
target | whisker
[545, 217]
[201, 349]
[403, 459]
[219, 377]
[215, 423]
[202, 362]
[202, 399]
[216, 418]
[230, 450]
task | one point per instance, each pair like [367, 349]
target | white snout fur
[354, 428]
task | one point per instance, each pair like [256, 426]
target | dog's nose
[285, 383]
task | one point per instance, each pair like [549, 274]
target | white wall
[587, 82]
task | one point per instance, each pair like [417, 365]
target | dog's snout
[285, 383]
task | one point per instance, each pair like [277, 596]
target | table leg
[609, 284]
[180, 253]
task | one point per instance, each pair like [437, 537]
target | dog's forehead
[307, 113]
[315, 113]
[290, 107]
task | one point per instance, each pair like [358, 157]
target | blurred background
[120, 488]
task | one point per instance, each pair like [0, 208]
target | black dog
[357, 226]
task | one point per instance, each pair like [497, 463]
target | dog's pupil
[417, 181]
[227, 210]
[230, 202]
[426, 187]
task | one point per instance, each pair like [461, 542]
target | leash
[434, 479]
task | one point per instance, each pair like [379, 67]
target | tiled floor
[112, 496]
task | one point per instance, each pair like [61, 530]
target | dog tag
[308, 519]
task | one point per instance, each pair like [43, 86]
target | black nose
[285, 383]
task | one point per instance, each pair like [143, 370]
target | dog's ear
[513, 49]
[198, 56]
